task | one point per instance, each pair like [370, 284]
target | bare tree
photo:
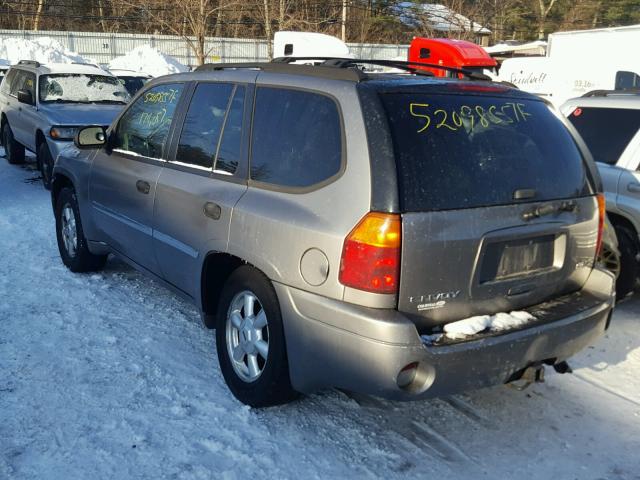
[542, 8]
[38, 14]
[189, 19]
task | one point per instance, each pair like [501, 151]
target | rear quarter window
[606, 131]
[296, 138]
[465, 151]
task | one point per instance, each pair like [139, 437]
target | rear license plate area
[507, 259]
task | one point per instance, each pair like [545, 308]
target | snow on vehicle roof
[619, 99]
[122, 72]
[87, 69]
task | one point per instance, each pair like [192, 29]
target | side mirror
[24, 96]
[90, 137]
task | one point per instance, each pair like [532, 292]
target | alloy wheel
[69, 232]
[247, 336]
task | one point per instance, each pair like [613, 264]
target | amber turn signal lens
[371, 254]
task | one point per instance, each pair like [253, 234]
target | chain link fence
[104, 47]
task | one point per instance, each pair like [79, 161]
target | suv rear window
[464, 151]
[606, 131]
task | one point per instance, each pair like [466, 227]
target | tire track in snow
[416, 432]
[604, 388]
[468, 411]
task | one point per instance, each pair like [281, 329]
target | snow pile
[148, 59]
[43, 50]
[499, 321]
[472, 325]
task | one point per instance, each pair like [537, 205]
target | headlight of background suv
[63, 133]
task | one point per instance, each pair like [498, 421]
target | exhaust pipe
[535, 374]
[528, 376]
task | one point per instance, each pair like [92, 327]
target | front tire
[72, 243]
[14, 152]
[250, 340]
[628, 246]
[45, 163]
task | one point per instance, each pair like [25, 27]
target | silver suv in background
[609, 123]
[391, 234]
[42, 106]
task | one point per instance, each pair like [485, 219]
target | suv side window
[17, 82]
[8, 80]
[24, 81]
[29, 84]
[229, 151]
[606, 131]
[296, 138]
[203, 123]
[144, 127]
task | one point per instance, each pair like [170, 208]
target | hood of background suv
[80, 113]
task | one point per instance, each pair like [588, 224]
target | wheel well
[617, 219]
[216, 270]
[59, 182]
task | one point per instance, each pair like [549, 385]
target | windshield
[82, 88]
[467, 151]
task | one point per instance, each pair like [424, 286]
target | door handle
[143, 187]
[212, 210]
[634, 187]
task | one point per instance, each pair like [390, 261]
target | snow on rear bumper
[336, 344]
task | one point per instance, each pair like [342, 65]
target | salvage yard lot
[111, 376]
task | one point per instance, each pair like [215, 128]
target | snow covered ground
[110, 376]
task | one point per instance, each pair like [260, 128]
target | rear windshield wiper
[541, 211]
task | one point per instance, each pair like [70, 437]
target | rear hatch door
[498, 209]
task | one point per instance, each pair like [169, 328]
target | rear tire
[250, 340]
[14, 152]
[45, 163]
[72, 243]
[628, 246]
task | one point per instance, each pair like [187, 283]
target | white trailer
[578, 62]
[308, 44]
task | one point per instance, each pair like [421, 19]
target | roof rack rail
[606, 93]
[86, 63]
[323, 71]
[338, 68]
[29, 62]
[413, 67]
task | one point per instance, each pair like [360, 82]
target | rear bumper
[335, 344]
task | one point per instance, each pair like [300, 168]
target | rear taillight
[371, 254]
[602, 211]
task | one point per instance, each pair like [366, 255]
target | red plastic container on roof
[449, 53]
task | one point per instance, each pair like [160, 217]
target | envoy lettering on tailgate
[432, 301]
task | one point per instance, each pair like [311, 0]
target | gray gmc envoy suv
[333, 225]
